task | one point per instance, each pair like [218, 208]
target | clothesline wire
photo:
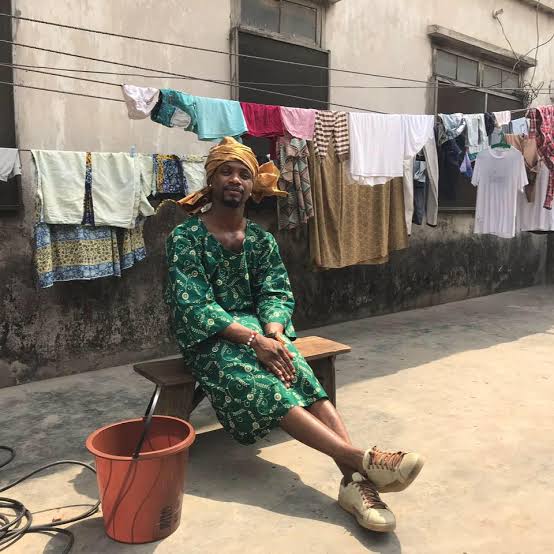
[202, 49]
[173, 74]
[142, 75]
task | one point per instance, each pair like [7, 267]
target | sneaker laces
[386, 460]
[369, 495]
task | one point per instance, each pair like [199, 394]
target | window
[491, 88]
[273, 82]
[297, 19]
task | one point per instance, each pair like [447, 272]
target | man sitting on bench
[231, 304]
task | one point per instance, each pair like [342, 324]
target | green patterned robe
[211, 287]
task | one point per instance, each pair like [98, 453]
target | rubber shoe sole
[377, 527]
[397, 486]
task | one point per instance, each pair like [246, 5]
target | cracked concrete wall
[79, 326]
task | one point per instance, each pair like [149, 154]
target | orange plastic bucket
[141, 497]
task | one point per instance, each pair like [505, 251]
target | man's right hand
[275, 357]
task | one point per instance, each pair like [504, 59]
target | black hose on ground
[19, 520]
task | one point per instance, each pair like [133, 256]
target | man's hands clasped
[275, 357]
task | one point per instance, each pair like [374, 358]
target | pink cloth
[262, 120]
[299, 122]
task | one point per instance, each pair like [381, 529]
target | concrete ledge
[475, 47]
[546, 6]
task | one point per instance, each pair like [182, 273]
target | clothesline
[463, 88]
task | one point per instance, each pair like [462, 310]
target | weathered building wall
[79, 326]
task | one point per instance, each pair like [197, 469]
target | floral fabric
[168, 175]
[211, 287]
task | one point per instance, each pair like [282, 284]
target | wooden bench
[179, 395]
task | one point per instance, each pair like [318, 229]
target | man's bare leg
[309, 430]
[328, 414]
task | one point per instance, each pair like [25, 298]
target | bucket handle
[147, 419]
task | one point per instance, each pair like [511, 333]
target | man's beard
[231, 203]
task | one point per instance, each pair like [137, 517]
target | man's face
[232, 184]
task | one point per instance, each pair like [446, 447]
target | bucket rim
[182, 445]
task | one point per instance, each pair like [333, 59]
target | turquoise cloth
[211, 118]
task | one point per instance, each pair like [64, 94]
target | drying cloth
[431, 187]
[299, 122]
[454, 126]
[490, 123]
[60, 186]
[520, 126]
[10, 165]
[296, 208]
[194, 172]
[381, 142]
[352, 224]
[168, 175]
[117, 193]
[528, 147]
[219, 118]
[140, 101]
[79, 252]
[262, 120]
[331, 125]
[175, 109]
[502, 118]
[477, 139]
[531, 216]
[499, 176]
[542, 129]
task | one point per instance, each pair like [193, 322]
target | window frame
[300, 41]
[438, 80]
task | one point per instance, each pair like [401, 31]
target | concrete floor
[468, 384]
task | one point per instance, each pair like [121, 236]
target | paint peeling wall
[80, 326]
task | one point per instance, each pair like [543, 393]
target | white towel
[60, 185]
[10, 165]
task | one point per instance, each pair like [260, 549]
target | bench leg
[176, 401]
[324, 370]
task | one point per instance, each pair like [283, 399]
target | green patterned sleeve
[195, 313]
[271, 287]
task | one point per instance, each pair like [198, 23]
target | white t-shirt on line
[499, 176]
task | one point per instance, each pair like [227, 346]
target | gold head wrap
[265, 176]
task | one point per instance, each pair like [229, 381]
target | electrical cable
[241, 83]
[201, 49]
[17, 523]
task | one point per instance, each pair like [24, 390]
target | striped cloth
[542, 129]
[331, 124]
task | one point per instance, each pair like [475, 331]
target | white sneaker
[391, 471]
[361, 499]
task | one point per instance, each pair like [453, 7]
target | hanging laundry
[520, 126]
[381, 142]
[502, 118]
[499, 176]
[417, 198]
[490, 123]
[331, 126]
[79, 252]
[297, 207]
[168, 175]
[210, 118]
[476, 133]
[542, 129]
[140, 101]
[450, 157]
[194, 172]
[466, 168]
[532, 216]
[528, 147]
[262, 120]
[454, 125]
[299, 122]
[352, 224]
[72, 184]
[10, 164]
